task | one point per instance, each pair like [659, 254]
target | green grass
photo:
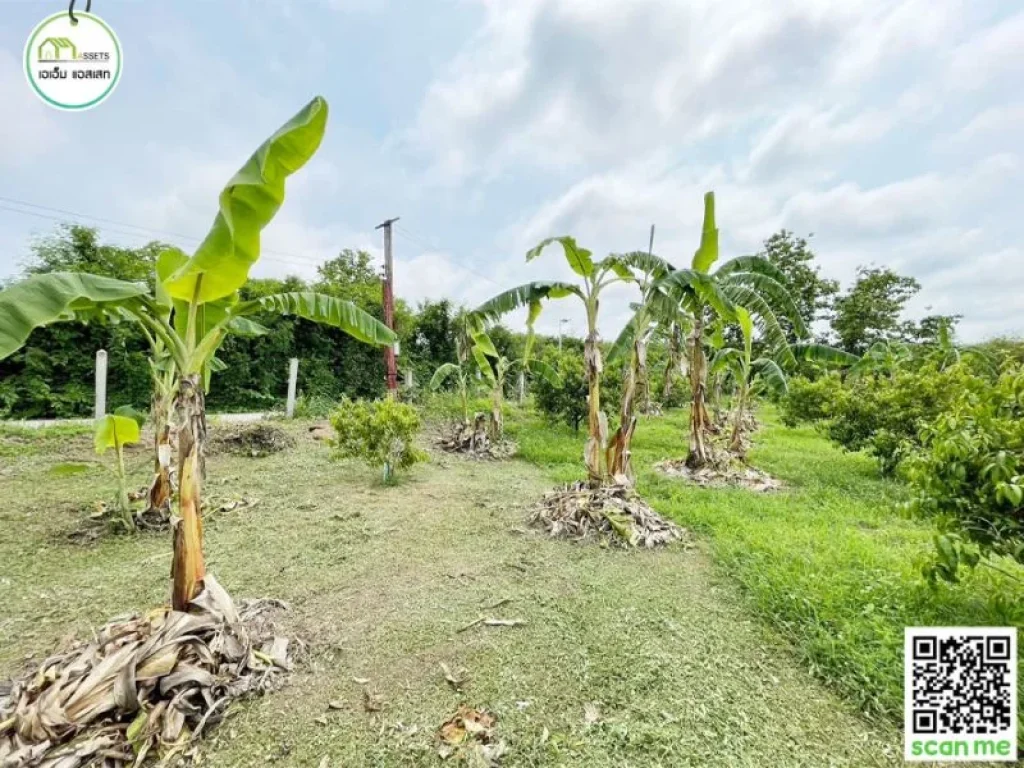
[829, 561]
[381, 580]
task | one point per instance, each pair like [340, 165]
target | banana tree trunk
[699, 455]
[716, 402]
[159, 498]
[187, 567]
[643, 384]
[124, 505]
[673, 364]
[464, 398]
[497, 425]
[619, 453]
[736, 441]
[597, 426]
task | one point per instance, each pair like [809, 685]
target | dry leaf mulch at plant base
[474, 442]
[614, 513]
[145, 685]
[469, 735]
[721, 474]
[253, 440]
[104, 518]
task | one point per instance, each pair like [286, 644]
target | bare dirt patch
[254, 440]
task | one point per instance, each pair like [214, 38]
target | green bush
[884, 414]
[810, 400]
[969, 474]
[379, 433]
[566, 402]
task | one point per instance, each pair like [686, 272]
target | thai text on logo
[73, 64]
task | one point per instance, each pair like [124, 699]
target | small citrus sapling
[379, 433]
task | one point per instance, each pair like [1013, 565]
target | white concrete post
[293, 379]
[408, 378]
[100, 403]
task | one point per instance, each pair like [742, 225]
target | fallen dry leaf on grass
[372, 701]
[591, 713]
[493, 623]
[452, 680]
[469, 734]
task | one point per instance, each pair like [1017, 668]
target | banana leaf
[221, 264]
[324, 309]
[54, 297]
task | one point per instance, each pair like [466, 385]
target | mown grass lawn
[830, 561]
[658, 647]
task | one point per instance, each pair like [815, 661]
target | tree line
[52, 376]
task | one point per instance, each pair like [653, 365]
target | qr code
[961, 684]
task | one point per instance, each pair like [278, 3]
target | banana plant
[632, 343]
[765, 373]
[670, 330]
[116, 430]
[596, 276]
[750, 282]
[194, 306]
[458, 373]
[884, 357]
[496, 374]
[163, 374]
[470, 335]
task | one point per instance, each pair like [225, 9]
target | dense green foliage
[52, 376]
[884, 414]
[810, 400]
[380, 433]
[565, 400]
[969, 473]
[793, 258]
[871, 310]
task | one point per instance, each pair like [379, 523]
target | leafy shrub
[883, 414]
[811, 400]
[379, 433]
[566, 401]
[969, 474]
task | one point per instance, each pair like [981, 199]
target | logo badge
[73, 66]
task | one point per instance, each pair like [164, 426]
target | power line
[414, 239]
[288, 259]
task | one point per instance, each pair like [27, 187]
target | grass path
[381, 580]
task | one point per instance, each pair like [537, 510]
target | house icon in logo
[57, 49]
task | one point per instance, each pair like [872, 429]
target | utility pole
[389, 308]
[650, 247]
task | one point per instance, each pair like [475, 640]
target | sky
[891, 131]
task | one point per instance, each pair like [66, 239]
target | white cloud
[887, 128]
[29, 128]
[560, 83]
[995, 125]
[991, 54]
